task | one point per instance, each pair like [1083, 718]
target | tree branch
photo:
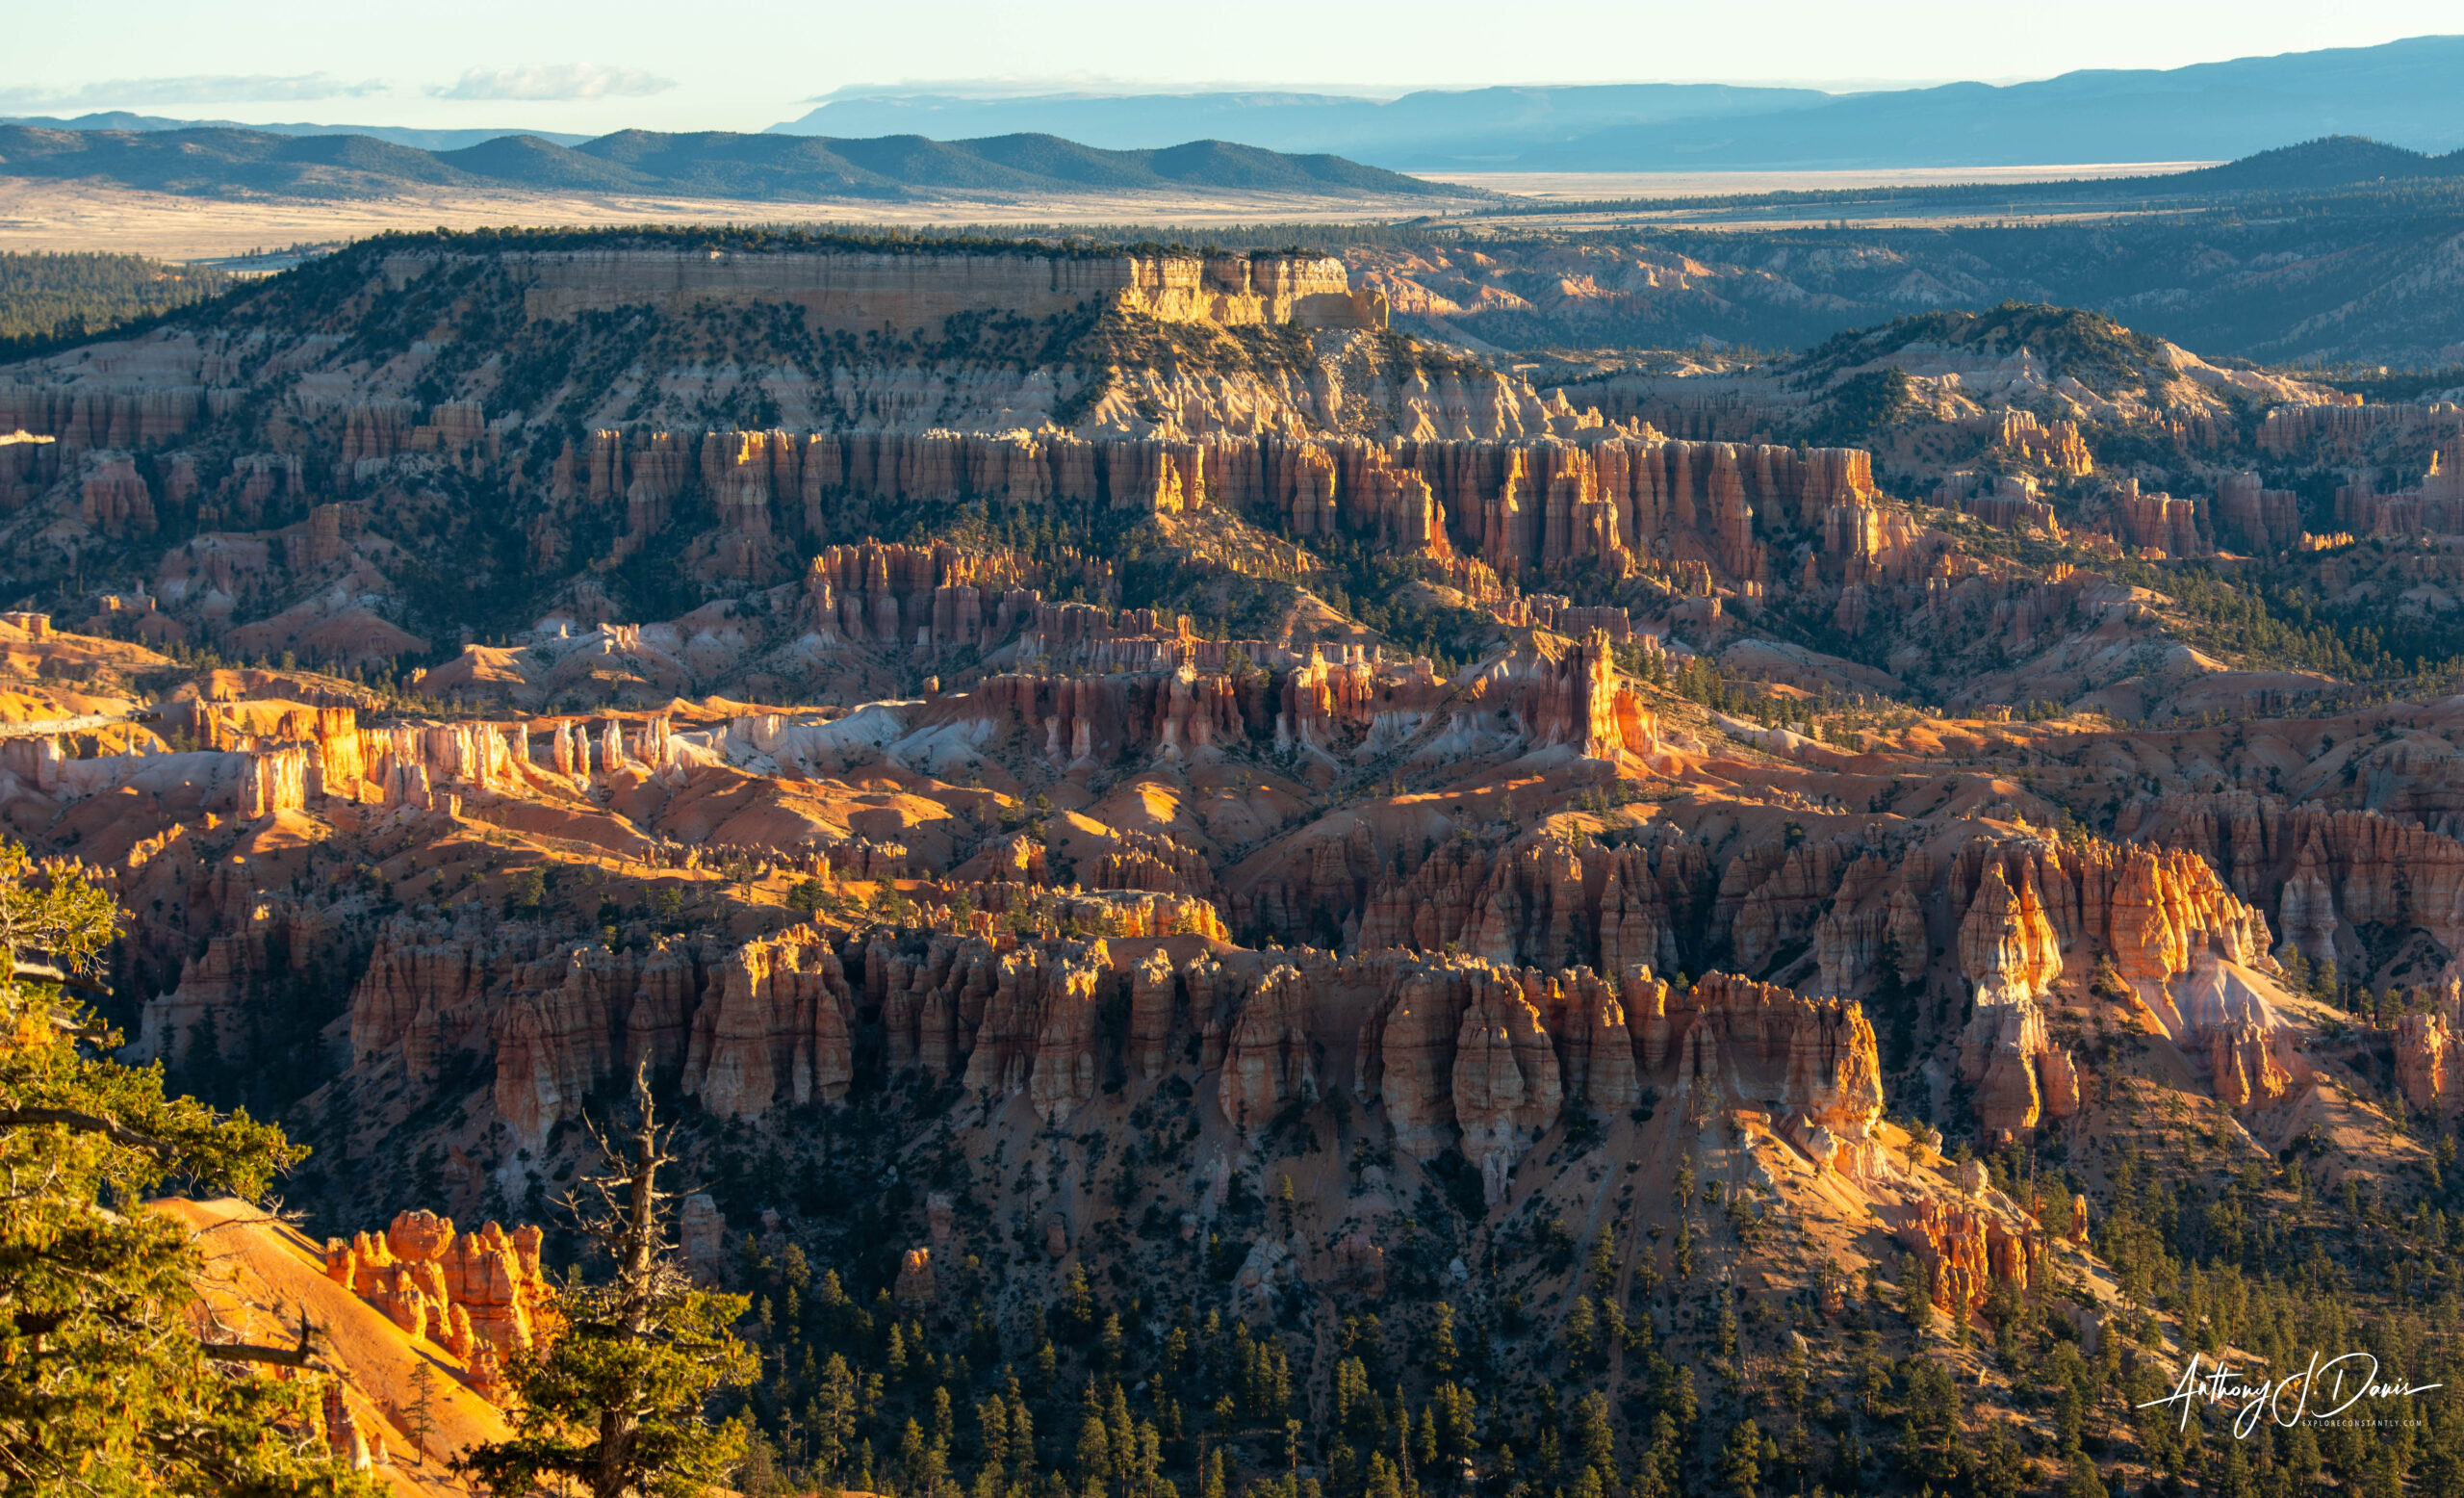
[87, 1124]
[252, 1353]
[302, 1355]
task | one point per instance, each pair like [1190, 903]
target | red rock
[473, 1292]
[1595, 1048]
[1267, 1061]
[2004, 1054]
[2429, 1063]
[775, 1029]
[2246, 1069]
[1506, 1090]
[2006, 946]
[1963, 1251]
[1409, 1052]
[701, 1235]
[1154, 997]
[915, 1287]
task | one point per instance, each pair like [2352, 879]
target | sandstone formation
[1030, 788]
[2326, 871]
[862, 292]
[1962, 1250]
[463, 1291]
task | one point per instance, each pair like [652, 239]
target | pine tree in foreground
[105, 1385]
[617, 1401]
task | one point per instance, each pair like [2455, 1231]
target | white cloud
[556, 80]
[197, 88]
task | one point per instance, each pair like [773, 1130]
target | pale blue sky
[669, 67]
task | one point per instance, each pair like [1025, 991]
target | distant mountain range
[225, 162]
[391, 135]
[1484, 126]
[2403, 91]
[894, 144]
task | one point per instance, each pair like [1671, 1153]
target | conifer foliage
[106, 1385]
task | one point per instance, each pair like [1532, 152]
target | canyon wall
[1462, 1053]
[917, 293]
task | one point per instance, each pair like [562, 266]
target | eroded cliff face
[1071, 966]
[296, 522]
[2326, 871]
[1462, 1055]
[1310, 821]
[2021, 923]
[857, 293]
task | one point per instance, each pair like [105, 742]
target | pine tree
[1595, 1441]
[992, 1433]
[1916, 1295]
[618, 1401]
[834, 1424]
[1383, 1481]
[2082, 1482]
[1576, 1335]
[1740, 1460]
[105, 1386]
[1094, 1449]
[419, 1418]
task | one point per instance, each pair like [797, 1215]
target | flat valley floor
[39, 214]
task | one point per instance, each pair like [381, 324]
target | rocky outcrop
[2019, 1076]
[1507, 1090]
[2152, 522]
[100, 414]
[1812, 1064]
[1154, 1016]
[2247, 1067]
[1408, 1052]
[113, 499]
[918, 597]
[1542, 899]
[1963, 1251]
[2255, 518]
[2323, 869]
[1151, 861]
[2435, 505]
[774, 1030]
[1038, 1031]
[1586, 1019]
[1266, 1060]
[559, 1017]
[2006, 946]
[464, 1291]
[701, 1236]
[1082, 720]
[866, 292]
[916, 1284]
[2342, 429]
[2429, 1063]
[753, 1028]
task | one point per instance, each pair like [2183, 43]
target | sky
[617, 63]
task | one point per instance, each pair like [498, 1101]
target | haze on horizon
[626, 64]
